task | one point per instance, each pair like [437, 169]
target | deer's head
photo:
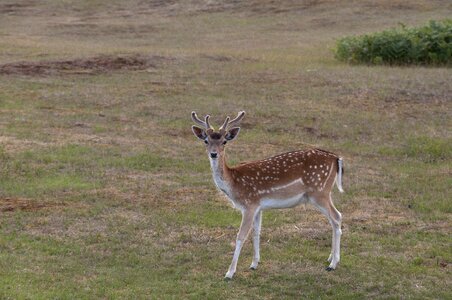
[216, 140]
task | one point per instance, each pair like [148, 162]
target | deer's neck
[221, 174]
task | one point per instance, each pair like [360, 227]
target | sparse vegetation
[427, 45]
[105, 193]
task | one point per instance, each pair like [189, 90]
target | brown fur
[316, 169]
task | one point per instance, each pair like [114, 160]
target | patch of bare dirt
[417, 96]
[12, 204]
[396, 4]
[317, 133]
[12, 144]
[14, 8]
[224, 58]
[220, 58]
[255, 7]
[93, 29]
[94, 65]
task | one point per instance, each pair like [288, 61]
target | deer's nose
[213, 155]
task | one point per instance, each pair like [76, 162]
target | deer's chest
[221, 184]
[224, 186]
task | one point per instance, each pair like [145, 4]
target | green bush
[427, 45]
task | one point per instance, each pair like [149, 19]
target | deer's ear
[199, 132]
[232, 133]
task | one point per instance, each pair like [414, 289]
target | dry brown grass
[12, 204]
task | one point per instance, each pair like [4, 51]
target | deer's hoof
[228, 276]
[329, 269]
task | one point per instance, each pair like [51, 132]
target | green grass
[106, 193]
[429, 149]
[422, 169]
[35, 175]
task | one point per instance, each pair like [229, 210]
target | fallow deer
[281, 181]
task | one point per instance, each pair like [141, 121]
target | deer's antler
[205, 123]
[234, 122]
[225, 125]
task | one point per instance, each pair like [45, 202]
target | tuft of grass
[3, 154]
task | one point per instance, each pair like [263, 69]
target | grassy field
[106, 193]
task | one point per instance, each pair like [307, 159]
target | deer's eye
[224, 143]
[206, 142]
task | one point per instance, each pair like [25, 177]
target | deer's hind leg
[324, 204]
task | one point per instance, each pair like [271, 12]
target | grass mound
[427, 45]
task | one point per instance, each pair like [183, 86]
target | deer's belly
[269, 203]
[285, 196]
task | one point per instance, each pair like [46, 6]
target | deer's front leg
[247, 221]
[256, 240]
